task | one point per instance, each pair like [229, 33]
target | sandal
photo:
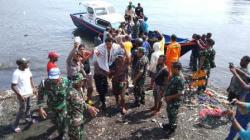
[17, 129]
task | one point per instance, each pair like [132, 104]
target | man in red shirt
[53, 57]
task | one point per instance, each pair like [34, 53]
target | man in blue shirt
[244, 134]
[146, 46]
[242, 117]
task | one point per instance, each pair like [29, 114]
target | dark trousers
[194, 58]
[101, 83]
[24, 111]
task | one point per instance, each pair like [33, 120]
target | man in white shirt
[23, 87]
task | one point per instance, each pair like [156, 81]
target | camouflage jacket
[56, 94]
[209, 55]
[76, 107]
[141, 66]
[175, 86]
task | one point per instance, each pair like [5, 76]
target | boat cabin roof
[97, 4]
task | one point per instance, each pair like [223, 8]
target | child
[172, 97]
[119, 71]
[161, 78]
[153, 62]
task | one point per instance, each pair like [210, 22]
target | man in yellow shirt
[173, 53]
[128, 45]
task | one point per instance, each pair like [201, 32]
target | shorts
[89, 81]
[158, 92]
[151, 74]
[119, 87]
[132, 73]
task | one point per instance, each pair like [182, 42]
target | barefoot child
[161, 78]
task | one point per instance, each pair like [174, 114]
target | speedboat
[96, 16]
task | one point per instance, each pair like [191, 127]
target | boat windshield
[100, 11]
[116, 25]
[111, 10]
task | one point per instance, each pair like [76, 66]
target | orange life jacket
[173, 52]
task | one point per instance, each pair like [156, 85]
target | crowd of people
[126, 56]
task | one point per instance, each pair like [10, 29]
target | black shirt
[135, 57]
[161, 75]
[86, 65]
[138, 11]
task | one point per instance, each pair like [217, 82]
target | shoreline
[186, 72]
[138, 123]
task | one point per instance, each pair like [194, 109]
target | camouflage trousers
[139, 91]
[58, 118]
[76, 132]
[172, 112]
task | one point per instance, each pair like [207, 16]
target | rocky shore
[137, 124]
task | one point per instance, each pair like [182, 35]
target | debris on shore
[138, 123]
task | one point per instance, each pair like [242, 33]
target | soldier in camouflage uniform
[55, 88]
[140, 77]
[76, 107]
[173, 93]
[207, 57]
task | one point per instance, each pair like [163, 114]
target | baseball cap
[119, 54]
[53, 55]
[54, 73]
[77, 78]
[21, 61]
[141, 49]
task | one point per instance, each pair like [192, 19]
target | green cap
[77, 78]
[141, 49]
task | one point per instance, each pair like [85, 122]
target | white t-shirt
[22, 79]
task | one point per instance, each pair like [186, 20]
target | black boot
[165, 127]
[103, 107]
[136, 103]
[170, 132]
[142, 101]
